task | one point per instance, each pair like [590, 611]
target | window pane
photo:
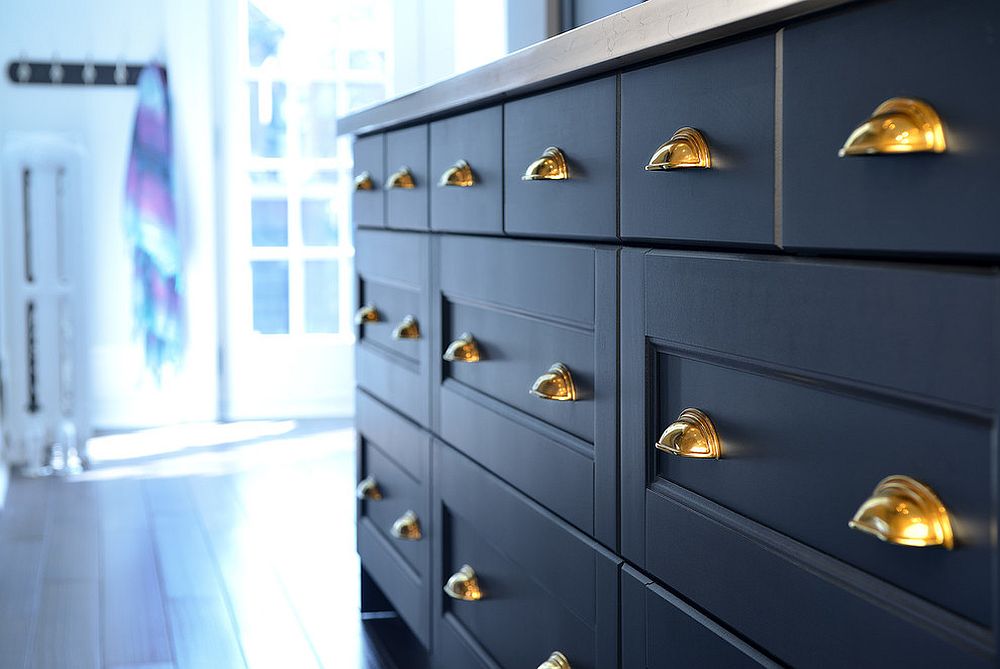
[322, 293]
[269, 222]
[319, 120]
[319, 223]
[265, 35]
[324, 177]
[362, 95]
[270, 296]
[366, 59]
[267, 177]
[267, 119]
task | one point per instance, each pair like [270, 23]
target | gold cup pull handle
[463, 349]
[556, 661]
[464, 585]
[408, 328]
[692, 435]
[407, 527]
[907, 512]
[555, 384]
[367, 314]
[460, 175]
[898, 125]
[687, 148]
[401, 178]
[551, 166]
[364, 181]
[368, 489]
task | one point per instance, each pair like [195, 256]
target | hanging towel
[151, 226]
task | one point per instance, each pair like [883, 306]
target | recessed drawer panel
[394, 320]
[368, 204]
[697, 147]
[407, 179]
[530, 586]
[906, 197]
[527, 334]
[467, 165]
[570, 190]
[394, 520]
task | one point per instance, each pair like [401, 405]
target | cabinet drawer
[938, 203]
[660, 630]
[469, 198]
[727, 96]
[392, 359]
[394, 502]
[555, 304]
[544, 587]
[368, 203]
[581, 122]
[407, 178]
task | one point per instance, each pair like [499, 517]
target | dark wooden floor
[217, 555]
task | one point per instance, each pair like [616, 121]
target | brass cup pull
[687, 148]
[401, 178]
[364, 181]
[898, 125]
[556, 661]
[692, 435]
[463, 349]
[464, 585]
[407, 527]
[367, 314]
[407, 329]
[368, 489]
[904, 511]
[460, 174]
[555, 384]
[552, 166]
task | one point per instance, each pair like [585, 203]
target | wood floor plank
[203, 634]
[122, 505]
[168, 495]
[73, 553]
[20, 575]
[25, 512]
[66, 636]
[186, 562]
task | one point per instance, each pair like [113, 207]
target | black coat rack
[59, 73]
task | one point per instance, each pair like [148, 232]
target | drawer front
[727, 95]
[918, 203]
[555, 304]
[475, 138]
[395, 455]
[660, 630]
[393, 277]
[581, 122]
[544, 586]
[368, 203]
[406, 208]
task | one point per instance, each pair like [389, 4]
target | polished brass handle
[904, 511]
[364, 181]
[685, 149]
[401, 178]
[898, 125]
[368, 489]
[692, 435]
[551, 166]
[407, 527]
[555, 384]
[367, 314]
[460, 174]
[556, 661]
[407, 329]
[464, 585]
[463, 349]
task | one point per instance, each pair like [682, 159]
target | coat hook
[121, 73]
[89, 72]
[23, 70]
[56, 71]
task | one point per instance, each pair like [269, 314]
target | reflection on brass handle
[407, 527]
[407, 329]
[368, 489]
[555, 384]
[364, 182]
[556, 661]
[898, 125]
[401, 178]
[464, 585]
[687, 148]
[367, 314]
[459, 174]
[692, 435]
[463, 349]
[904, 511]
[551, 166]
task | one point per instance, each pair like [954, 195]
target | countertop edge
[646, 31]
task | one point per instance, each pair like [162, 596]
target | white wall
[100, 119]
